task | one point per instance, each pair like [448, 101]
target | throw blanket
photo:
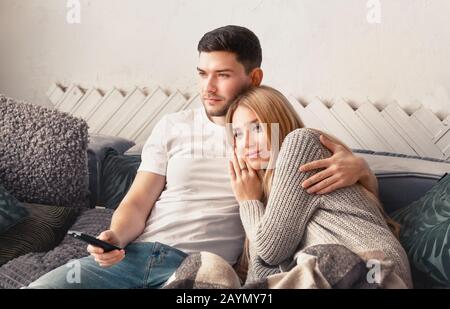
[320, 266]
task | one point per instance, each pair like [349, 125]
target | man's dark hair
[238, 40]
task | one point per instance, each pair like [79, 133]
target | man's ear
[257, 76]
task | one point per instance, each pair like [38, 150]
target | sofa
[68, 179]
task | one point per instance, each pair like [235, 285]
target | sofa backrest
[401, 189]
[403, 179]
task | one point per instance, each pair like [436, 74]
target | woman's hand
[106, 259]
[245, 181]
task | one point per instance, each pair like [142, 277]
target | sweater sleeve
[277, 231]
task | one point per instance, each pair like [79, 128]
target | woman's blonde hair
[272, 107]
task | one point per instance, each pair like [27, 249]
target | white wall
[320, 48]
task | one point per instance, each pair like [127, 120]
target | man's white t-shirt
[197, 210]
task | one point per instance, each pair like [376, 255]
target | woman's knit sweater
[294, 219]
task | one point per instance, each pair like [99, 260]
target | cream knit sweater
[294, 219]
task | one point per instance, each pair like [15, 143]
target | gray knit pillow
[43, 158]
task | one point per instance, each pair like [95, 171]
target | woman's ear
[257, 76]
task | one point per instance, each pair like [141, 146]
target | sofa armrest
[97, 147]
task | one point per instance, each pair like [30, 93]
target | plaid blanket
[320, 266]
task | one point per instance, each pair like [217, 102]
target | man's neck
[219, 120]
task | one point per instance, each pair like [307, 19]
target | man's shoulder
[184, 116]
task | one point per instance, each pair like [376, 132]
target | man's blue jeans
[146, 265]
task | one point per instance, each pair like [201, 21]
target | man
[181, 199]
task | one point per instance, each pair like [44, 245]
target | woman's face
[250, 138]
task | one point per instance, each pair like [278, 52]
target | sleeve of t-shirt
[154, 153]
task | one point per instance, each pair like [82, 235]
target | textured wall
[311, 48]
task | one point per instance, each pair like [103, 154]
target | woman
[280, 218]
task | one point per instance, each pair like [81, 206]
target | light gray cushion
[136, 150]
[99, 143]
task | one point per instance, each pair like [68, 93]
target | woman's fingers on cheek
[231, 170]
[236, 167]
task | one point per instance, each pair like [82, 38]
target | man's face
[221, 79]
